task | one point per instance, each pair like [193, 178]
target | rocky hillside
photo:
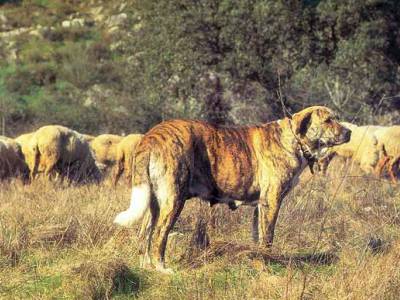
[58, 21]
[82, 63]
[65, 62]
[122, 66]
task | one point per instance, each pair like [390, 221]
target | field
[337, 238]
[124, 66]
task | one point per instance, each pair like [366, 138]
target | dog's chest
[297, 172]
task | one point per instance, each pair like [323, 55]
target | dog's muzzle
[343, 138]
[346, 135]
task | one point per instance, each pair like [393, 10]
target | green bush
[344, 54]
[302, 49]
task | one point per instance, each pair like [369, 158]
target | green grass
[40, 285]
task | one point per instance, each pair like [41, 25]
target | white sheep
[363, 148]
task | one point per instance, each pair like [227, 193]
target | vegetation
[333, 242]
[123, 66]
[224, 61]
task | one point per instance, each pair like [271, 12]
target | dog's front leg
[268, 209]
[324, 162]
[254, 229]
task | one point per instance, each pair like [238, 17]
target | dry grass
[336, 239]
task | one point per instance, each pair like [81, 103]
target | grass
[58, 242]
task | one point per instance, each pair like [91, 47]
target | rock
[3, 18]
[38, 31]
[66, 24]
[77, 22]
[97, 15]
[3, 22]
[120, 45]
[95, 93]
[122, 7]
[113, 30]
[14, 33]
[117, 20]
[137, 27]
[89, 101]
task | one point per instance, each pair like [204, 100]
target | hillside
[66, 62]
[123, 66]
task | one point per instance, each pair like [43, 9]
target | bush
[302, 49]
[28, 77]
[341, 54]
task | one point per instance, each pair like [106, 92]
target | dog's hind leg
[254, 231]
[170, 206]
[145, 235]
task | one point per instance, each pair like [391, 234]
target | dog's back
[197, 148]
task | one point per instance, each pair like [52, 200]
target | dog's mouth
[343, 138]
[335, 142]
[331, 143]
[338, 142]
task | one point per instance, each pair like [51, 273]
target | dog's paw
[160, 268]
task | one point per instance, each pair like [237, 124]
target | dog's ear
[302, 120]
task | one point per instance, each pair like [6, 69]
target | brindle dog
[180, 159]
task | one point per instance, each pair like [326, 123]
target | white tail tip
[140, 202]
[125, 219]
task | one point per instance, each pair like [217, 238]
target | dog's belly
[216, 196]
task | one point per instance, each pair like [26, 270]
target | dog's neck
[293, 143]
[300, 145]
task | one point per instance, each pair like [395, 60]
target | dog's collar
[310, 158]
[305, 150]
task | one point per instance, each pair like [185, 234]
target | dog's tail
[141, 191]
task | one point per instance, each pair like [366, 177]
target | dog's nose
[347, 135]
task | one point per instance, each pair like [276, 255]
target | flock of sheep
[376, 149]
[58, 151]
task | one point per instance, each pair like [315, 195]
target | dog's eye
[328, 121]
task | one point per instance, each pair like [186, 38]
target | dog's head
[318, 128]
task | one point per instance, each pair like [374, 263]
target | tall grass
[336, 239]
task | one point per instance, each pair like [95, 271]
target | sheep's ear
[302, 121]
